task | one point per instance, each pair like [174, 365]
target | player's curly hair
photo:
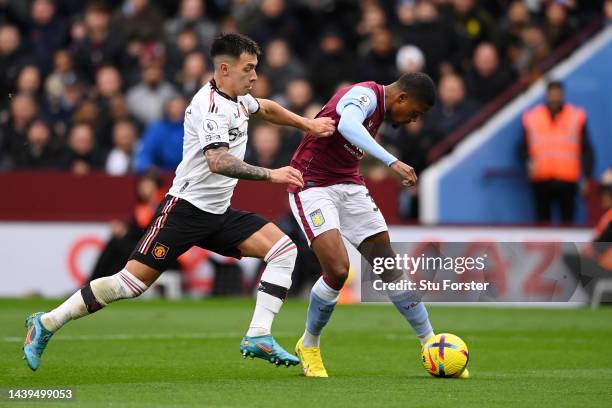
[419, 86]
[234, 44]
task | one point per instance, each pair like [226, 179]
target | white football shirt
[213, 119]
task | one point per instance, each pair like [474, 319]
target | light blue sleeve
[360, 96]
[351, 127]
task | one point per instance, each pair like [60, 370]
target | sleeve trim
[215, 146]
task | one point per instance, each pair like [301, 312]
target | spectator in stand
[532, 50]
[140, 21]
[265, 147]
[192, 15]
[331, 64]
[62, 74]
[453, 107]
[120, 159]
[488, 78]
[186, 43]
[262, 87]
[162, 143]
[125, 235]
[379, 62]
[281, 65]
[193, 75]
[511, 27]
[82, 157]
[99, 45]
[558, 27]
[47, 32]
[39, 151]
[474, 25]
[423, 26]
[23, 110]
[147, 99]
[557, 153]
[373, 18]
[12, 59]
[298, 95]
[29, 82]
[409, 59]
[108, 86]
[274, 19]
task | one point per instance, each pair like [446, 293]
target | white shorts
[346, 207]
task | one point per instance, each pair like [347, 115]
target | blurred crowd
[102, 85]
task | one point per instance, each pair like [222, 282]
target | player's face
[405, 110]
[242, 73]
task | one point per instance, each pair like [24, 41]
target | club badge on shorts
[159, 251]
[317, 218]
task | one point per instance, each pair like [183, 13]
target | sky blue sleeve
[351, 127]
[360, 96]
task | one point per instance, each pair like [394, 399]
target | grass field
[160, 353]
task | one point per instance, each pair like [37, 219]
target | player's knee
[122, 285]
[337, 270]
[281, 261]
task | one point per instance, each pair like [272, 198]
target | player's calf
[273, 288]
[93, 297]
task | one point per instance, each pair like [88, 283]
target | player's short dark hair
[233, 45]
[419, 86]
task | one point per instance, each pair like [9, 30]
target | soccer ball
[445, 355]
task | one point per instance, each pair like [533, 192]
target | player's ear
[403, 97]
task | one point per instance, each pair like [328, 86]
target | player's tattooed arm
[221, 161]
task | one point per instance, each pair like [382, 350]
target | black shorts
[178, 225]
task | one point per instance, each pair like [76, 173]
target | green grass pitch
[163, 353]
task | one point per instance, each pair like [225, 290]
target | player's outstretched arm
[351, 127]
[221, 161]
[273, 112]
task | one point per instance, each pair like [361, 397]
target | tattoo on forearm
[231, 166]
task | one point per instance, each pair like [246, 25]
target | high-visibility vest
[554, 145]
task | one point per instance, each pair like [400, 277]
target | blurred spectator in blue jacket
[162, 143]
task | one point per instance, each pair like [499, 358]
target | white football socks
[122, 285]
[275, 281]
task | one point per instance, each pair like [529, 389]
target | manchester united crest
[159, 251]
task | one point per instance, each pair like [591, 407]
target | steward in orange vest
[557, 152]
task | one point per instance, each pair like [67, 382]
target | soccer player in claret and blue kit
[335, 202]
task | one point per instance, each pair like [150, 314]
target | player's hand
[287, 175]
[321, 127]
[405, 172]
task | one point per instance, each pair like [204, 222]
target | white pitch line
[143, 337]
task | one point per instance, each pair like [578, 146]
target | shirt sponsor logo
[317, 218]
[235, 133]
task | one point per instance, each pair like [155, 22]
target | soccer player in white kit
[196, 210]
